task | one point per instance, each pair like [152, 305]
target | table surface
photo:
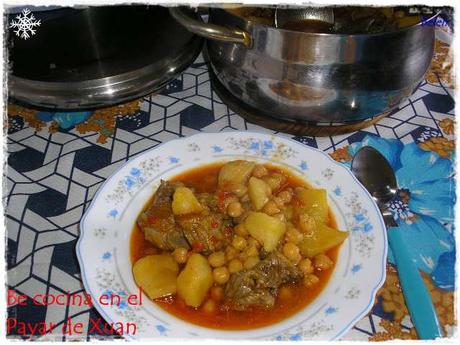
[53, 173]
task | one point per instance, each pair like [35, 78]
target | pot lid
[82, 58]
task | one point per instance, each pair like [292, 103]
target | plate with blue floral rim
[105, 230]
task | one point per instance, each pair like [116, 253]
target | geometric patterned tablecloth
[53, 173]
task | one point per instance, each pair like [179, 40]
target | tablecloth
[56, 163]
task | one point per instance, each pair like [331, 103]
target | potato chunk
[195, 280]
[259, 193]
[234, 175]
[185, 202]
[314, 203]
[156, 275]
[265, 229]
[322, 239]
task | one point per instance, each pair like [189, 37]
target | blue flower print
[161, 329]
[442, 274]
[355, 268]
[427, 240]
[337, 191]
[65, 120]
[174, 160]
[295, 337]
[428, 178]
[123, 305]
[254, 145]
[303, 165]
[268, 145]
[330, 310]
[135, 172]
[217, 149]
[106, 256]
[129, 182]
[367, 227]
[113, 213]
[359, 217]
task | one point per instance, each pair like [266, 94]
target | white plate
[103, 246]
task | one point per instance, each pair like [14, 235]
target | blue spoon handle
[416, 294]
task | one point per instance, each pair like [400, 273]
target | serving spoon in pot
[376, 174]
[284, 17]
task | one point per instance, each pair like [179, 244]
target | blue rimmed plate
[103, 246]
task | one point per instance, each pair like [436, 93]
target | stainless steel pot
[84, 58]
[312, 76]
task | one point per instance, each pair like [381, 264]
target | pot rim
[322, 34]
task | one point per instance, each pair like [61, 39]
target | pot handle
[210, 31]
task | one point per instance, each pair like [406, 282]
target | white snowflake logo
[25, 24]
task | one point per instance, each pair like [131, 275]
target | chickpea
[322, 262]
[217, 259]
[271, 208]
[285, 196]
[240, 190]
[275, 180]
[239, 243]
[243, 256]
[229, 199]
[307, 224]
[253, 242]
[234, 209]
[306, 266]
[292, 252]
[217, 293]
[259, 171]
[310, 279]
[230, 253]
[271, 182]
[252, 251]
[180, 255]
[279, 203]
[235, 266]
[285, 292]
[221, 275]
[240, 230]
[250, 262]
[209, 306]
[293, 235]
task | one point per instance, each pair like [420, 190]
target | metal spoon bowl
[376, 174]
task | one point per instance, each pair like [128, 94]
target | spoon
[376, 174]
[289, 15]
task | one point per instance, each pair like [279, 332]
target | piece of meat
[241, 291]
[206, 231]
[209, 201]
[258, 286]
[157, 221]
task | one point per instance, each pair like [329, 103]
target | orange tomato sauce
[294, 298]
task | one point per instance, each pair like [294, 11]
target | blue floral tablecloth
[52, 177]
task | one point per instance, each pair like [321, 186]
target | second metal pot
[313, 76]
